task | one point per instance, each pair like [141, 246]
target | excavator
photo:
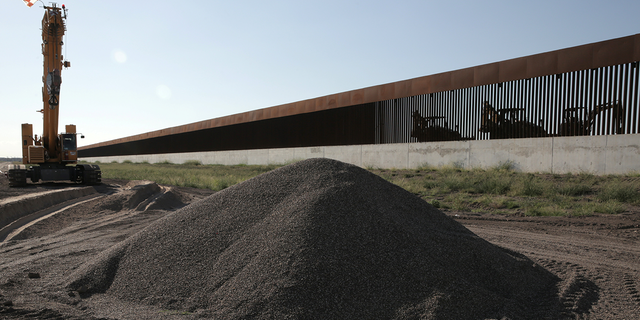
[52, 156]
[506, 124]
[426, 129]
[576, 123]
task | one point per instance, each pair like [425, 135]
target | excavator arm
[53, 29]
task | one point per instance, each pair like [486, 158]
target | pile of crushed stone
[318, 239]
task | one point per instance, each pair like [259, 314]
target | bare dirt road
[597, 258]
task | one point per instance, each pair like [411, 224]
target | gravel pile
[318, 239]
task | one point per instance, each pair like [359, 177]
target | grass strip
[499, 190]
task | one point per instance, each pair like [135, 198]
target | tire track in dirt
[598, 273]
[23, 223]
[576, 248]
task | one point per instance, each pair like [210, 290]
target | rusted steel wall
[598, 101]
[585, 90]
[342, 126]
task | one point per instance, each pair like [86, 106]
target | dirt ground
[597, 257]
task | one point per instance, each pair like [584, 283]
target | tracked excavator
[426, 129]
[52, 156]
[575, 122]
[507, 124]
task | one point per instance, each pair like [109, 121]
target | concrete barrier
[614, 154]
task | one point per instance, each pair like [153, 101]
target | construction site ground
[597, 256]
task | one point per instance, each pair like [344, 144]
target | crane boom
[53, 28]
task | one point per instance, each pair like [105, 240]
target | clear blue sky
[139, 66]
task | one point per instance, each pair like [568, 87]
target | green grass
[503, 190]
[500, 190]
[191, 174]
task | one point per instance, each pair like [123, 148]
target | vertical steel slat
[577, 89]
[598, 99]
[618, 127]
[476, 106]
[608, 125]
[452, 111]
[401, 120]
[553, 99]
[522, 103]
[483, 94]
[534, 101]
[592, 98]
[441, 108]
[407, 119]
[515, 103]
[570, 95]
[615, 124]
[624, 86]
[544, 104]
[635, 103]
[527, 100]
[584, 92]
[562, 102]
[464, 123]
[604, 98]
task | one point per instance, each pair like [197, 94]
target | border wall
[615, 154]
[580, 103]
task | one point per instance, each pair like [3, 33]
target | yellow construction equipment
[52, 156]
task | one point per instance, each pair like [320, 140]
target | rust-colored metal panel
[266, 114]
[576, 58]
[257, 115]
[402, 89]
[308, 105]
[278, 112]
[357, 97]
[300, 107]
[290, 109]
[486, 74]
[420, 86]
[462, 78]
[441, 82]
[542, 65]
[321, 103]
[371, 94]
[345, 99]
[331, 102]
[612, 52]
[513, 69]
[387, 91]
[636, 47]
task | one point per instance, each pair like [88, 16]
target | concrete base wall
[616, 154]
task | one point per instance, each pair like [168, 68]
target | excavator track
[17, 177]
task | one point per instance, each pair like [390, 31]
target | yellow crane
[52, 156]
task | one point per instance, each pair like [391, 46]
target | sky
[140, 66]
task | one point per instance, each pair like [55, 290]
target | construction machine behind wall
[52, 156]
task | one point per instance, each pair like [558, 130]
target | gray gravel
[319, 239]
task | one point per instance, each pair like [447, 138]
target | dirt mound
[143, 195]
[318, 239]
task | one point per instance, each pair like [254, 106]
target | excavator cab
[69, 147]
